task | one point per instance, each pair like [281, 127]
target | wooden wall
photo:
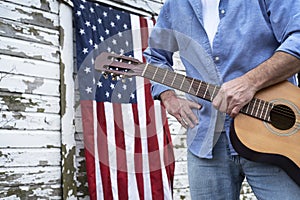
[30, 120]
[41, 141]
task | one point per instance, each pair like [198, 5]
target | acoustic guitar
[265, 130]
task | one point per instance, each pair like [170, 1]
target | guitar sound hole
[282, 117]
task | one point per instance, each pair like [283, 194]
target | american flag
[128, 148]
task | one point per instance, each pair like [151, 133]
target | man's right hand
[180, 108]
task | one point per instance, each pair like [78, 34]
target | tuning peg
[123, 79]
[113, 77]
[105, 75]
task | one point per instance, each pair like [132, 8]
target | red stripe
[122, 178]
[153, 147]
[169, 159]
[88, 134]
[138, 159]
[103, 152]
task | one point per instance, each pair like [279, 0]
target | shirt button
[222, 11]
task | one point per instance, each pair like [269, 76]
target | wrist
[167, 95]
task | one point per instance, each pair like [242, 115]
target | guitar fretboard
[256, 108]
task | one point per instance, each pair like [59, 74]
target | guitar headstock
[118, 65]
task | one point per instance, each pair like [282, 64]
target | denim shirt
[249, 33]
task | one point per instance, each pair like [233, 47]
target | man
[243, 46]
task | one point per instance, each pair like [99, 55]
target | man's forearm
[278, 68]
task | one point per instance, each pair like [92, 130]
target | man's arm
[236, 93]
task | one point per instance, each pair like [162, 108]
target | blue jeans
[222, 177]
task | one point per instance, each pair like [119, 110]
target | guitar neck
[180, 82]
[256, 107]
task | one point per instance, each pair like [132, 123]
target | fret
[173, 79]
[182, 82]
[213, 93]
[207, 85]
[145, 69]
[178, 81]
[186, 86]
[210, 93]
[248, 106]
[159, 74]
[202, 90]
[253, 107]
[262, 109]
[191, 85]
[154, 73]
[257, 109]
[199, 86]
[148, 72]
[265, 111]
[163, 80]
[195, 84]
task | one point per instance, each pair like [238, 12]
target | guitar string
[278, 110]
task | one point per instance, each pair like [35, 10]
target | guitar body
[260, 141]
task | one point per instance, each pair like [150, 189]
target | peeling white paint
[29, 32]
[30, 121]
[29, 139]
[27, 14]
[48, 5]
[35, 51]
[30, 85]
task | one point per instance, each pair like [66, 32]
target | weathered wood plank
[46, 5]
[78, 125]
[29, 139]
[29, 176]
[25, 49]
[29, 103]
[28, 15]
[68, 146]
[29, 67]
[29, 85]
[30, 157]
[29, 32]
[32, 192]
[29, 121]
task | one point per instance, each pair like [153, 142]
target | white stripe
[129, 130]
[150, 26]
[137, 47]
[97, 165]
[143, 129]
[111, 143]
[136, 36]
[160, 137]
